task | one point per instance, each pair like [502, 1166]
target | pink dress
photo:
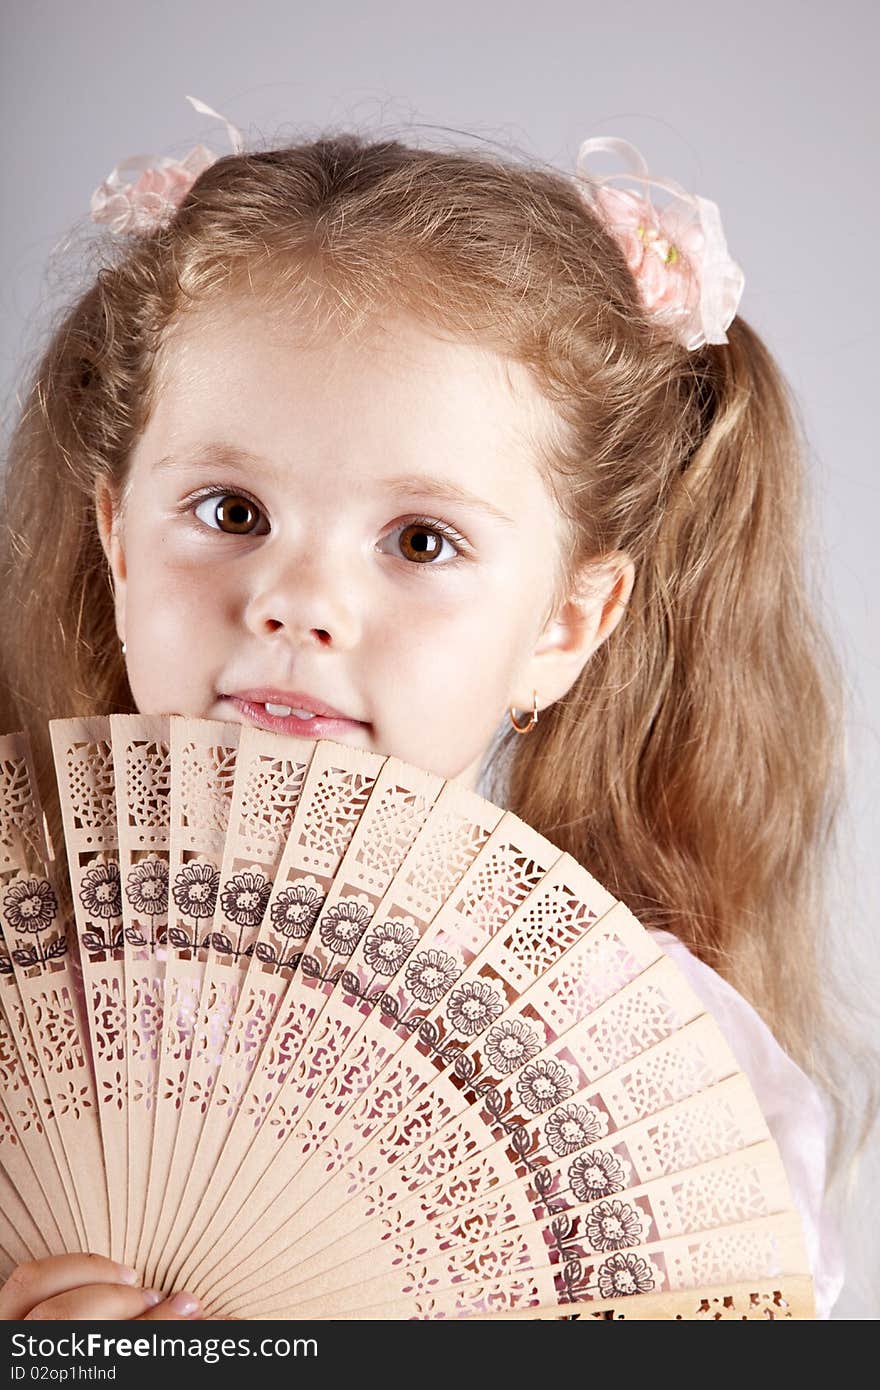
[791, 1105]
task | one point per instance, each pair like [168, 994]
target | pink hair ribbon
[678, 254]
[144, 191]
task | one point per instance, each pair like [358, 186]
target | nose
[306, 600]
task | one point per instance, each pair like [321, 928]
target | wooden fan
[315, 1034]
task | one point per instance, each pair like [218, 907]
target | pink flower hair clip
[146, 201]
[678, 255]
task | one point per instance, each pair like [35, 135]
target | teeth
[282, 711]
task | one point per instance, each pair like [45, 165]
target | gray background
[764, 107]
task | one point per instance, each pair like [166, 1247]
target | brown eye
[231, 513]
[420, 543]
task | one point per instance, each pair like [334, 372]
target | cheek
[441, 681]
[172, 620]
[442, 640]
[178, 602]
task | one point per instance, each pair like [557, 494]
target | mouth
[297, 716]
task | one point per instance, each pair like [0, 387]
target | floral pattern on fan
[510, 1044]
[343, 925]
[430, 974]
[615, 1226]
[473, 1006]
[388, 946]
[30, 906]
[100, 891]
[244, 899]
[292, 916]
[543, 1085]
[573, 1127]
[621, 1276]
[146, 890]
[596, 1174]
[195, 893]
[296, 911]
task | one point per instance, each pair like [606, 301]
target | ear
[108, 514]
[576, 627]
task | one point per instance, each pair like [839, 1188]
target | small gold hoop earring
[526, 728]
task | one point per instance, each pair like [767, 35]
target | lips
[291, 699]
[326, 721]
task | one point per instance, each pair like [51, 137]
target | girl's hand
[83, 1288]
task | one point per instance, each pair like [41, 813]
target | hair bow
[678, 254]
[142, 203]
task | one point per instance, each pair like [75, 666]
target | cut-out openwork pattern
[330, 1037]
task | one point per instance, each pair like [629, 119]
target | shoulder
[791, 1104]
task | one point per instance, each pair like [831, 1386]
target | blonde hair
[696, 766]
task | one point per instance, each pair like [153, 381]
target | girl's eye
[423, 542]
[230, 512]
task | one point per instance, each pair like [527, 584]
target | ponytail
[696, 766]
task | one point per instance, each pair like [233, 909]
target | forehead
[395, 384]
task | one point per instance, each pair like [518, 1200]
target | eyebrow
[438, 489]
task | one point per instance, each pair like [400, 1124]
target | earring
[123, 649]
[526, 728]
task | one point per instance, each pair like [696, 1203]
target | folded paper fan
[316, 1034]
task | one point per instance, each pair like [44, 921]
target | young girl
[474, 464]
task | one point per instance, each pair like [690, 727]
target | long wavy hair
[696, 766]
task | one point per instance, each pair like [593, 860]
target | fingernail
[127, 1275]
[183, 1303]
[152, 1297]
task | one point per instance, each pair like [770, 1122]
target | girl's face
[354, 524]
